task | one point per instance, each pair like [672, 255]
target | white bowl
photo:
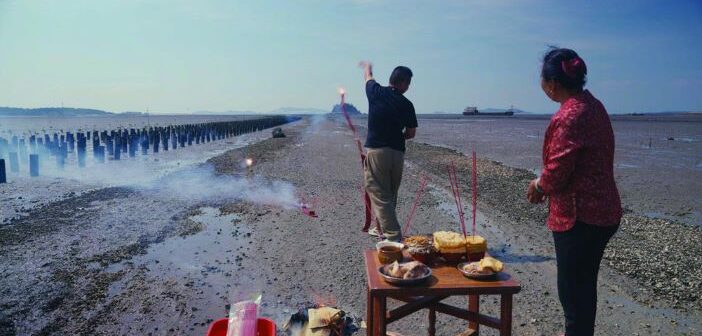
[381, 244]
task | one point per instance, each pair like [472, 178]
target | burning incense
[307, 208]
[342, 92]
[362, 155]
[418, 196]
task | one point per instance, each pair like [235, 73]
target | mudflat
[128, 260]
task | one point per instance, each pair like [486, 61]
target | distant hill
[350, 109]
[50, 112]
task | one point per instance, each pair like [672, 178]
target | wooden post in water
[34, 165]
[100, 158]
[157, 141]
[22, 152]
[82, 144]
[3, 147]
[71, 141]
[164, 139]
[14, 162]
[3, 174]
[32, 144]
[60, 158]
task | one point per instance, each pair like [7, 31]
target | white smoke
[176, 174]
[315, 123]
[202, 184]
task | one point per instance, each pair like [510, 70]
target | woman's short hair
[565, 67]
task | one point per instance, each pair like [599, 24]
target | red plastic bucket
[264, 327]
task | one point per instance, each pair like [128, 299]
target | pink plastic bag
[243, 318]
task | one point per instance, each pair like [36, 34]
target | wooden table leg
[381, 313]
[369, 313]
[432, 322]
[474, 306]
[376, 318]
[506, 315]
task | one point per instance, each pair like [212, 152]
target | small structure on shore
[278, 133]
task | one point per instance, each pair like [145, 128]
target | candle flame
[249, 162]
[342, 91]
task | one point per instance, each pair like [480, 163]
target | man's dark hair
[401, 74]
[565, 67]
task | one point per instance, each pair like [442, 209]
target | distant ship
[473, 111]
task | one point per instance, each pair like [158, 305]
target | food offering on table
[405, 273]
[451, 245]
[486, 268]
[420, 248]
[477, 246]
[389, 252]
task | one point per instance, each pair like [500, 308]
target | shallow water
[205, 262]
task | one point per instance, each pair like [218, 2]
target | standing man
[391, 120]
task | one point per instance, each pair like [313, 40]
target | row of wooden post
[112, 144]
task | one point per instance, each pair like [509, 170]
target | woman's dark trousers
[578, 255]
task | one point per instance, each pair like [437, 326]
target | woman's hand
[533, 195]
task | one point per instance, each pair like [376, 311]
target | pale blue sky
[179, 56]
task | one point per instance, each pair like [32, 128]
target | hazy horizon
[180, 57]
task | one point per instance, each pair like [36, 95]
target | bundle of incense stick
[418, 196]
[475, 189]
[453, 179]
[361, 153]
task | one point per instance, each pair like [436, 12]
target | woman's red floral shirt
[578, 165]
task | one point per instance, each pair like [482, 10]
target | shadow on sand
[503, 253]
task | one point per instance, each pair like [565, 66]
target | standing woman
[578, 180]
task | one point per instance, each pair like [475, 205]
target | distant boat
[473, 111]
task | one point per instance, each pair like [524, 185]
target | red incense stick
[457, 196]
[350, 124]
[418, 196]
[458, 191]
[361, 152]
[475, 188]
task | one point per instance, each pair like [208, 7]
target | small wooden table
[446, 281]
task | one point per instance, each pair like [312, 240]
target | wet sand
[122, 261]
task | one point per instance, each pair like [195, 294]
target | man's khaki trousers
[383, 174]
